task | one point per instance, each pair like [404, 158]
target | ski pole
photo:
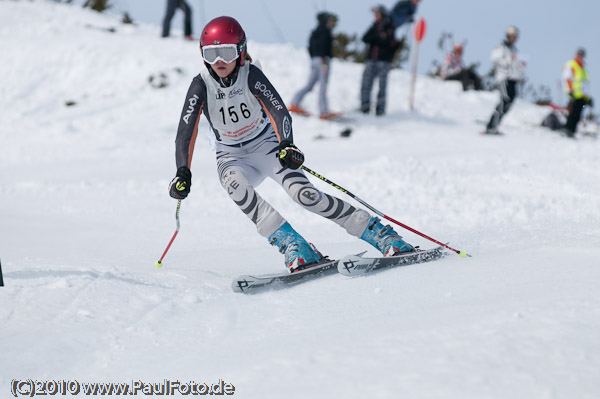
[463, 254]
[158, 263]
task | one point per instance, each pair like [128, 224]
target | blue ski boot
[299, 254]
[385, 239]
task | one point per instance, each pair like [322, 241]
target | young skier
[254, 140]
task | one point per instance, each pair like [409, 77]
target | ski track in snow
[84, 214]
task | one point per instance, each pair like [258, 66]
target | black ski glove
[289, 155]
[180, 186]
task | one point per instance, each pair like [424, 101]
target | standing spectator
[509, 71]
[404, 11]
[320, 48]
[173, 5]
[453, 68]
[577, 86]
[381, 47]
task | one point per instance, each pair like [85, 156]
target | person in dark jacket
[403, 12]
[320, 50]
[381, 48]
[172, 6]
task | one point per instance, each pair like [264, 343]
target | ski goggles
[224, 52]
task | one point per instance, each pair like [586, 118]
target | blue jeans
[374, 70]
[319, 71]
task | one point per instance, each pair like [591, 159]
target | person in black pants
[509, 72]
[172, 6]
[577, 84]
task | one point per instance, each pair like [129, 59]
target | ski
[251, 284]
[355, 265]
[351, 265]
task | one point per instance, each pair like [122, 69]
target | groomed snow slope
[84, 213]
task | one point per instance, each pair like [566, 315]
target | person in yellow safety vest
[577, 86]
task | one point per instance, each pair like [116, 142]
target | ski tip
[246, 284]
[353, 265]
[240, 284]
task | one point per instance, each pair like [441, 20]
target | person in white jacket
[509, 71]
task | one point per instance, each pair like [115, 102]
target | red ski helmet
[225, 30]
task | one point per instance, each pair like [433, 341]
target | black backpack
[552, 121]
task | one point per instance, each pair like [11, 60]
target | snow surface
[84, 213]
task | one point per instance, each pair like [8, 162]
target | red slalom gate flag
[420, 28]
